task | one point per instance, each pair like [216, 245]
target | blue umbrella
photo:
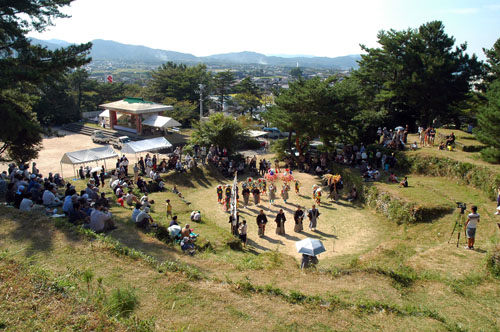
[311, 247]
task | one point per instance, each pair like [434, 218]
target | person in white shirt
[49, 198]
[143, 218]
[26, 203]
[470, 227]
[101, 221]
[130, 198]
[136, 211]
[196, 216]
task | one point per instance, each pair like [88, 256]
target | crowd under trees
[415, 76]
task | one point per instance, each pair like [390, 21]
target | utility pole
[200, 91]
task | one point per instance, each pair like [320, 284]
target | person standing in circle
[280, 223]
[470, 227]
[261, 223]
[313, 215]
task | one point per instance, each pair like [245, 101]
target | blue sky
[313, 27]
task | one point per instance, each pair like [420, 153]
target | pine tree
[489, 124]
[24, 67]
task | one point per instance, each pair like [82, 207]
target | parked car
[98, 137]
[274, 132]
[118, 142]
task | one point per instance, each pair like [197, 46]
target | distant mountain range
[111, 50]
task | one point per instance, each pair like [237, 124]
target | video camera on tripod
[462, 207]
[459, 222]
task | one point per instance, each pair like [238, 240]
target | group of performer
[256, 188]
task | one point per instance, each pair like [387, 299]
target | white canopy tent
[146, 145]
[159, 121]
[88, 156]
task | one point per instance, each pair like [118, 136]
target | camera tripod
[459, 222]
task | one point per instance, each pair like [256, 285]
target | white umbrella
[311, 247]
[399, 128]
[174, 230]
[95, 169]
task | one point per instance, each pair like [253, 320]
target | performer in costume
[264, 187]
[272, 193]
[246, 194]
[256, 195]
[297, 187]
[318, 196]
[284, 191]
[298, 217]
[219, 194]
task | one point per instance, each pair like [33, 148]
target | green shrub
[122, 302]
[493, 262]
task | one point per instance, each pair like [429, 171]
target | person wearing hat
[143, 219]
[18, 197]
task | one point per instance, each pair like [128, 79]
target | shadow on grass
[32, 228]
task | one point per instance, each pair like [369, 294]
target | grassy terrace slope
[377, 275]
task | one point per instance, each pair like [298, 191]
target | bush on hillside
[122, 302]
[493, 262]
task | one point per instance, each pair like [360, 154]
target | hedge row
[399, 210]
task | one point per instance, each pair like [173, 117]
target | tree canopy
[417, 75]
[178, 81]
[488, 118]
[219, 130]
[23, 67]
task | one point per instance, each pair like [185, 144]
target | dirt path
[55, 147]
[342, 227]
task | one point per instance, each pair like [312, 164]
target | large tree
[331, 109]
[222, 85]
[418, 75]
[23, 67]
[178, 81]
[220, 130]
[488, 118]
[247, 95]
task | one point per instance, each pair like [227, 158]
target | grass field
[375, 276]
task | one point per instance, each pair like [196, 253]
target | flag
[109, 78]
[234, 204]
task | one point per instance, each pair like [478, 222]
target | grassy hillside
[376, 275]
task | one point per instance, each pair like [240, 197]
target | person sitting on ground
[145, 200]
[77, 216]
[93, 195]
[173, 221]
[141, 184]
[404, 183]
[441, 146]
[450, 140]
[69, 200]
[414, 146]
[196, 216]
[100, 220]
[130, 198]
[18, 197]
[187, 244]
[26, 203]
[186, 231]
[144, 220]
[49, 197]
[353, 195]
[136, 211]
[103, 201]
[393, 178]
